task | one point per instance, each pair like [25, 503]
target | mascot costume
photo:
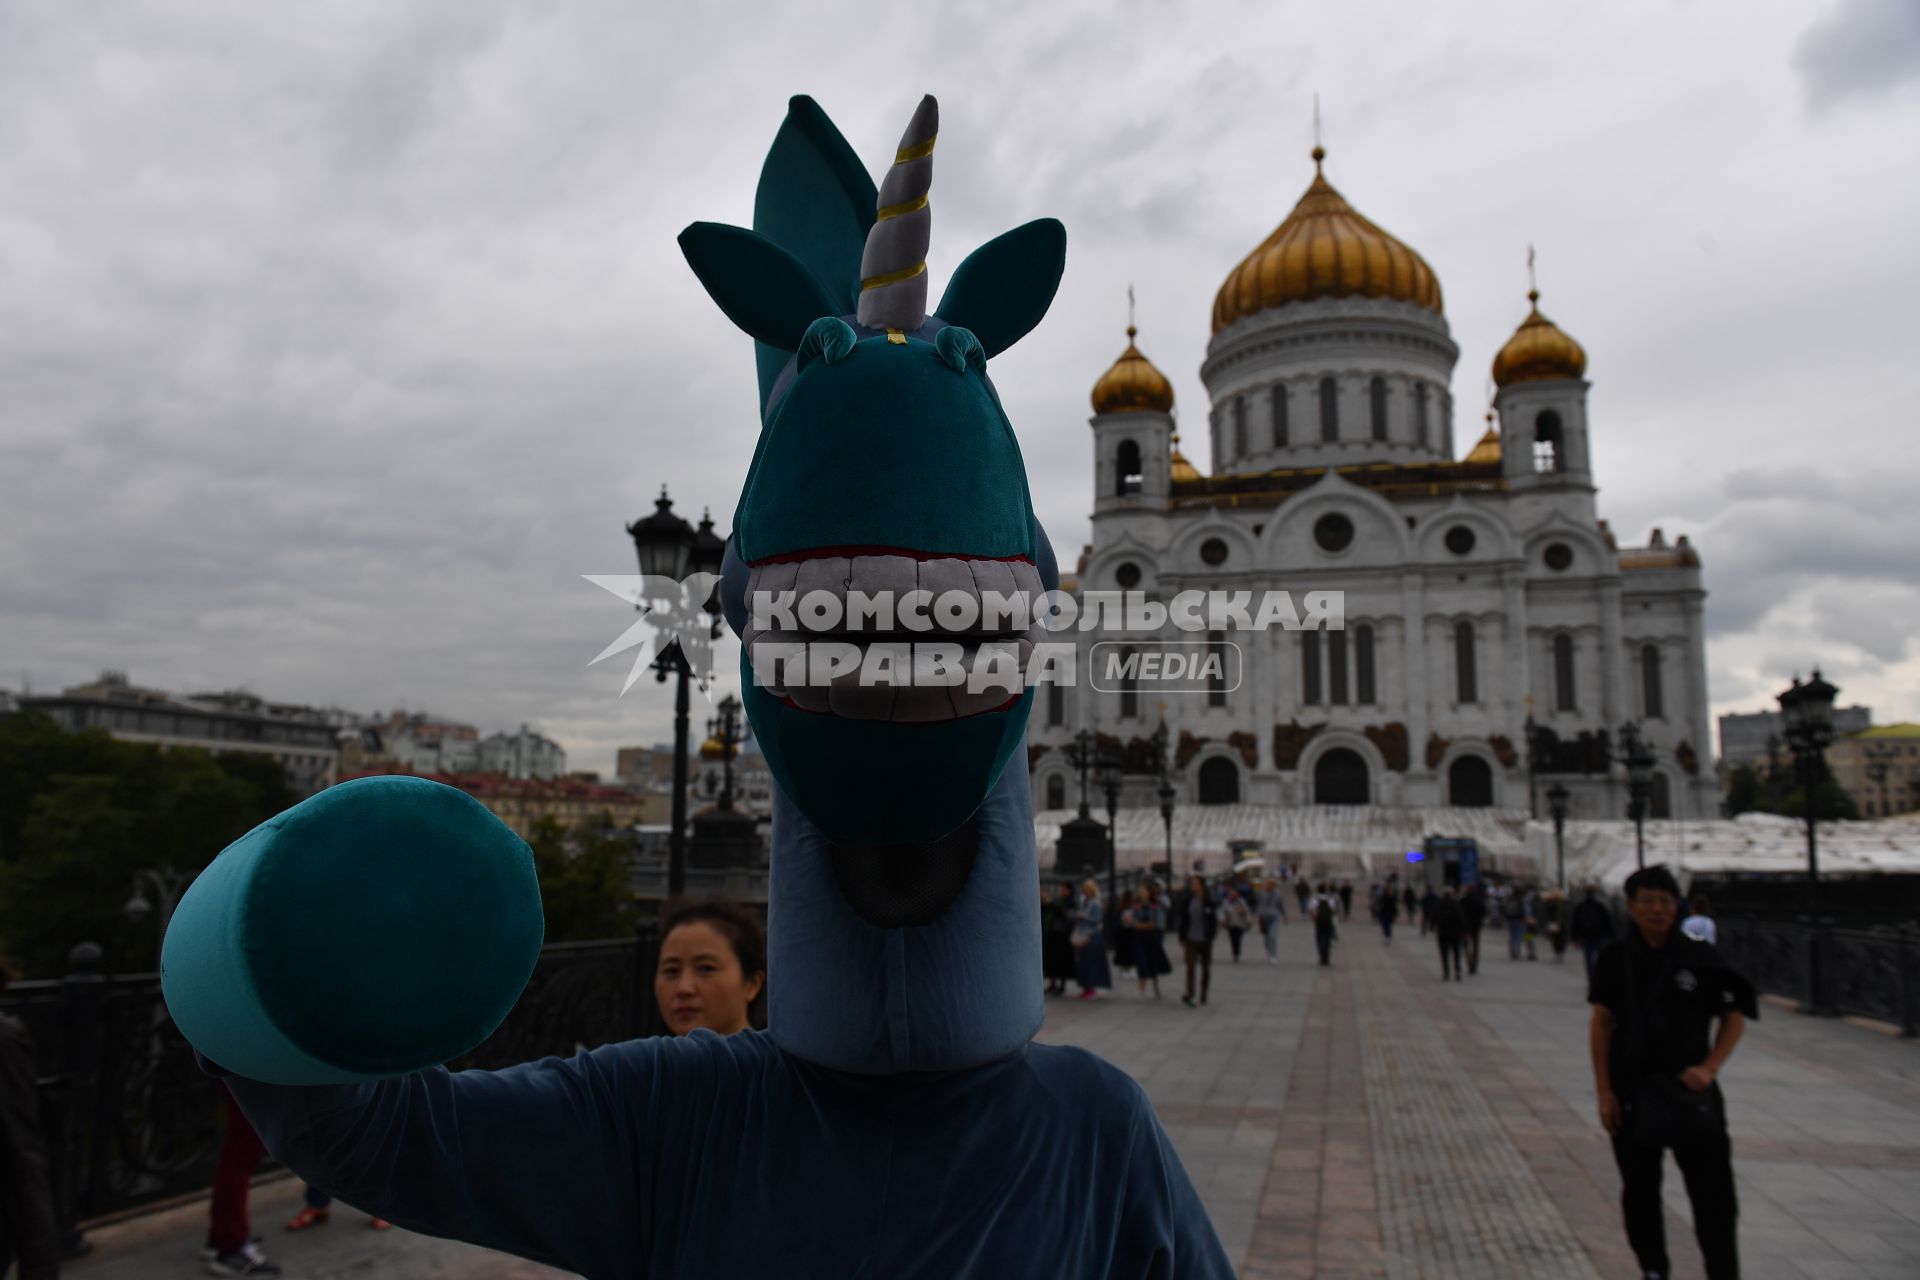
[895, 1119]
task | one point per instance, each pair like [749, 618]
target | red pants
[241, 1152]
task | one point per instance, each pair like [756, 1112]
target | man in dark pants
[28, 1234]
[1450, 926]
[1655, 993]
[1473, 909]
[1196, 922]
[1592, 927]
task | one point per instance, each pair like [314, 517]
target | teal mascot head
[885, 463]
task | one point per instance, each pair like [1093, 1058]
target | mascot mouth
[893, 634]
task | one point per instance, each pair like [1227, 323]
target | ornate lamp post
[725, 728]
[1111, 777]
[1557, 796]
[1639, 762]
[1162, 741]
[167, 885]
[1081, 756]
[668, 547]
[1807, 710]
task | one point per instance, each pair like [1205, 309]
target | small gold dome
[1488, 449]
[713, 749]
[1133, 385]
[1325, 249]
[1178, 468]
[1538, 351]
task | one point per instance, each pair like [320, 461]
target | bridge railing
[1830, 970]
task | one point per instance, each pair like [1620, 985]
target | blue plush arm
[1165, 1233]
[547, 1160]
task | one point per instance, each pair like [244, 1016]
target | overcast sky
[337, 342]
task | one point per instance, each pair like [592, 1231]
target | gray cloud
[339, 344]
[1859, 49]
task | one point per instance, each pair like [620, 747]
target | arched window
[1127, 469]
[1470, 783]
[1341, 777]
[1056, 792]
[1239, 426]
[1377, 406]
[1129, 685]
[1310, 668]
[1466, 684]
[1329, 411]
[1660, 802]
[1280, 416]
[1219, 782]
[1056, 703]
[1363, 685]
[1650, 681]
[1217, 675]
[1547, 448]
[1563, 698]
[1420, 412]
[1337, 668]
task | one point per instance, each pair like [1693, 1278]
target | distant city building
[522, 802]
[649, 771]
[523, 754]
[1744, 734]
[423, 744]
[304, 741]
[1895, 746]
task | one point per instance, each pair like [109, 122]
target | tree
[82, 813]
[585, 885]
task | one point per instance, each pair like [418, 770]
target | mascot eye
[827, 340]
[959, 348]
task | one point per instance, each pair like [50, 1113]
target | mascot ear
[1006, 285]
[959, 348]
[828, 340]
[764, 289]
[815, 200]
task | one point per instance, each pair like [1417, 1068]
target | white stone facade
[1501, 552]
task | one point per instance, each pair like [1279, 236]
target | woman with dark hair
[712, 970]
[1056, 939]
[1144, 934]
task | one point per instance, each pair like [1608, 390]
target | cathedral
[1497, 637]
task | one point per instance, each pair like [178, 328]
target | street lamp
[167, 885]
[725, 729]
[668, 547]
[1111, 777]
[1557, 796]
[1081, 756]
[1639, 762]
[1162, 742]
[1807, 710]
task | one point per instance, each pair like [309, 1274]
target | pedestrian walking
[317, 1211]
[1473, 906]
[1196, 921]
[1410, 903]
[1125, 940]
[1553, 922]
[1147, 939]
[1303, 893]
[1237, 916]
[1056, 940]
[1428, 902]
[1346, 899]
[1089, 943]
[29, 1233]
[1325, 910]
[1656, 994]
[1271, 910]
[1449, 922]
[1699, 923]
[1389, 908]
[1513, 912]
[230, 1249]
[1592, 928]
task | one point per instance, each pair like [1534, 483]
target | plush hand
[382, 926]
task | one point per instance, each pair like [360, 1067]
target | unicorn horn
[893, 270]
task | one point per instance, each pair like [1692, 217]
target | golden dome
[1488, 450]
[1179, 468]
[1133, 385]
[713, 749]
[1538, 351]
[1325, 249]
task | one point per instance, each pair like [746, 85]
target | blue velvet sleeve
[1165, 1233]
[550, 1160]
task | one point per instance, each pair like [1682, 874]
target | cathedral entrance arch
[1219, 782]
[1470, 783]
[1340, 777]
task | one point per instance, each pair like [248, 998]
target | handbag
[1665, 1112]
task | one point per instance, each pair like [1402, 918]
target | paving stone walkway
[1368, 1120]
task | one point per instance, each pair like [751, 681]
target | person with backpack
[1656, 994]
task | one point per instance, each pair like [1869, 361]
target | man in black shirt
[1592, 928]
[1655, 993]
